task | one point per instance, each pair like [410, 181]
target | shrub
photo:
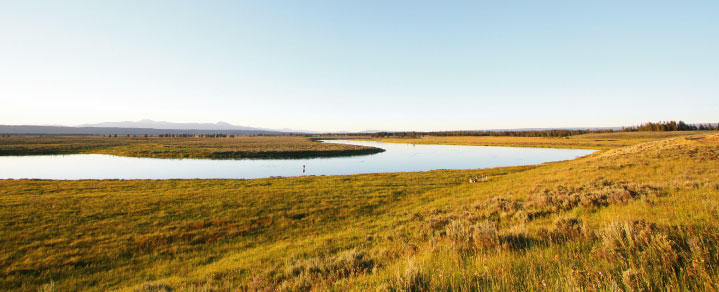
[485, 235]
[471, 237]
[569, 228]
[460, 233]
[352, 261]
[649, 257]
[623, 239]
[437, 222]
[499, 208]
[301, 273]
[517, 237]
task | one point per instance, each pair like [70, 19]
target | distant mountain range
[150, 124]
[142, 127]
[219, 126]
[62, 130]
[149, 127]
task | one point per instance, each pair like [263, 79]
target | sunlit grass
[601, 141]
[641, 217]
[185, 147]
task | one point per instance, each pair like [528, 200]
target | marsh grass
[181, 147]
[635, 218]
[601, 141]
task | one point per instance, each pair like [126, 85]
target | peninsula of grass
[181, 147]
[635, 218]
[598, 141]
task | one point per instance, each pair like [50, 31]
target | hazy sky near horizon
[356, 65]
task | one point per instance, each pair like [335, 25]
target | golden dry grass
[634, 218]
[235, 147]
[600, 141]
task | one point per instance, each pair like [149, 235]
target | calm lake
[396, 158]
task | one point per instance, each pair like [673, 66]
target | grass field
[643, 217]
[236, 147]
[599, 141]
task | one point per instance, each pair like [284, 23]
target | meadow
[641, 215]
[599, 141]
[180, 147]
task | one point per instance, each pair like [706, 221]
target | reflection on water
[397, 158]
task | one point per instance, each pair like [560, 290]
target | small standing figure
[303, 168]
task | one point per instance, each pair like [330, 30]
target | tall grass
[635, 218]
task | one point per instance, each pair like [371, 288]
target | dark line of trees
[196, 135]
[180, 135]
[660, 126]
[530, 133]
[671, 126]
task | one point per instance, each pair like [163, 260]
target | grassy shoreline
[277, 147]
[601, 141]
[641, 217]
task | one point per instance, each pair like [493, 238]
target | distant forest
[6, 131]
[660, 126]
[672, 126]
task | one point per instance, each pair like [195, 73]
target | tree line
[556, 133]
[196, 135]
[671, 126]
[528, 133]
[180, 135]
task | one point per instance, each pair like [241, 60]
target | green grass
[235, 147]
[635, 218]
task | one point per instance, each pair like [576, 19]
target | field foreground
[635, 218]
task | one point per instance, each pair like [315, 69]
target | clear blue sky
[356, 65]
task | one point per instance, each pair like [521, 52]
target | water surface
[396, 158]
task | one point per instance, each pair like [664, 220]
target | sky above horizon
[358, 65]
